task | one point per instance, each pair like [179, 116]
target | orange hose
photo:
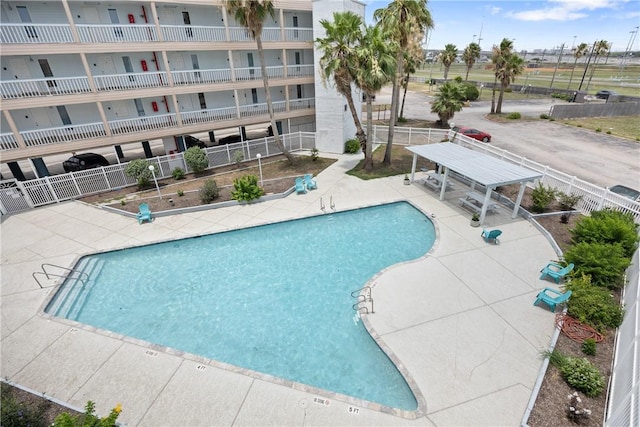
[576, 330]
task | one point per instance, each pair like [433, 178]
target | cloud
[565, 10]
[495, 10]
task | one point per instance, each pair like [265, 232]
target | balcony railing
[44, 87]
[298, 34]
[35, 33]
[300, 104]
[141, 124]
[190, 33]
[117, 33]
[187, 77]
[255, 73]
[33, 138]
[300, 70]
[7, 142]
[131, 81]
[204, 116]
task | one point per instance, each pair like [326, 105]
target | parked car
[192, 141]
[79, 162]
[229, 139]
[471, 133]
[605, 94]
[627, 192]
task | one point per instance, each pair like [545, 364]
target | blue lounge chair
[551, 300]
[489, 235]
[556, 271]
[300, 187]
[144, 214]
[310, 182]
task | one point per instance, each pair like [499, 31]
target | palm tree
[578, 52]
[448, 101]
[599, 49]
[470, 55]
[375, 68]
[401, 19]
[340, 60]
[447, 57]
[413, 58]
[251, 14]
[512, 67]
[499, 57]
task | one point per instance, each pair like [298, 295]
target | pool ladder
[363, 299]
[49, 275]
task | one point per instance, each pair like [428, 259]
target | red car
[471, 133]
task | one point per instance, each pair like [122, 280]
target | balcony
[117, 33]
[131, 81]
[35, 33]
[193, 77]
[8, 142]
[44, 87]
[183, 33]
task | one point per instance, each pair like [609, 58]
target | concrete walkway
[460, 320]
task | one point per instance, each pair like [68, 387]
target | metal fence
[16, 196]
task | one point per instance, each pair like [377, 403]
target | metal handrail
[357, 292]
[362, 298]
[49, 275]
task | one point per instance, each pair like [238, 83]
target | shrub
[246, 188]
[314, 154]
[196, 159]
[180, 193]
[351, 146]
[551, 119]
[471, 92]
[544, 116]
[579, 125]
[579, 373]
[402, 120]
[21, 414]
[139, 170]
[608, 132]
[123, 202]
[608, 226]
[514, 116]
[542, 197]
[508, 89]
[589, 347]
[89, 418]
[604, 262]
[598, 129]
[177, 174]
[593, 305]
[568, 201]
[238, 157]
[209, 191]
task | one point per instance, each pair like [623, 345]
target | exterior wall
[609, 109]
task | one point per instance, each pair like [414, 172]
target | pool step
[69, 300]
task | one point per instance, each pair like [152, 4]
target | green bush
[88, 419]
[196, 159]
[598, 129]
[593, 305]
[604, 262]
[314, 154]
[351, 146]
[544, 116]
[542, 197]
[514, 116]
[180, 193]
[568, 201]
[177, 174]
[608, 226]
[402, 120]
[579, 373]
[246, 188]
[20, 414]
[471, 92]
[238, 157]
[139, 170]
[608, 132]
[589, 347]
[209, 191]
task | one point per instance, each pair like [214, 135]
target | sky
[541, 24]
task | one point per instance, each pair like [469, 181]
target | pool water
[274, 299]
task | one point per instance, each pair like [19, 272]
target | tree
[339, 59]
[401, 20]
[447, 57]
[498, 57]
[470, 55]
[251, 14]
[413, 58]
[599, 49]
[375, 68]
[512, 67]
[448, 101]
[578, 52]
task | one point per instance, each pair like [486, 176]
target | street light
[259, 156]
[153, 172]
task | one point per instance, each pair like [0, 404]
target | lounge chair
[310, 182]
[551, 300]
[300, 187]
[489, 235]
[144, 214]
[556, 271]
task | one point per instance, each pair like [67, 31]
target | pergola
[480, 168]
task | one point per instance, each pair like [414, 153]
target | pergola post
[444, 182]
[485, 204]
[413, 166]
[516, 207]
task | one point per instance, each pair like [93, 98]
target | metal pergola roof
[478, 167]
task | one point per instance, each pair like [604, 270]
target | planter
[407, 181]
[475, 223]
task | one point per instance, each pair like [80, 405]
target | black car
[192, 141]
[627, 192]
[79, 162]
[605, 94]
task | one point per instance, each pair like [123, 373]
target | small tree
[209, 191]
[246, 188]
[449, 101]
[196, 159]
[542, 197]
[139, 170]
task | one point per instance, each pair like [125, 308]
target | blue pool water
[275, 299]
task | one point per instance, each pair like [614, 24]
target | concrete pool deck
[460, 319]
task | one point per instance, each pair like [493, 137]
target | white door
[120, 109]
[90, 15]
[40, 118]
[167, 17]
[107, 67]
[20, 68]
[176, 62]
[186, 103]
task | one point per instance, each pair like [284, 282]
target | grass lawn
[623, 126]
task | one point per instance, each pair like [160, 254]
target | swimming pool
[275, 299]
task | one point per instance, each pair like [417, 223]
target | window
[23, 12]
[64, 115]
[250, 63]
[187, 21]
[46, 71]
[203, 102]
[127, 67]
[139, 107]
[295, 25]
[196, 65]
[299, 89]
[113, 15]
[254, 95]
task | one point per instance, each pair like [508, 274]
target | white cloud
[564, 10]
[495, 10]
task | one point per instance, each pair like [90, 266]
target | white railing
[192, 33]
[184, 77]
[34, 138]
[35, 33]
[141, 124]
[298, 34]
[271, 35]
[131, 80]
[253, 110]
[300, 70]
[204, 116]
[254, 73]
[120, 33]
[44, 87]
[239, 34]
[301, 104]
[8, 142]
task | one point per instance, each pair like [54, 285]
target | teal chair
[300, 187]
[556, 271]
[489, 235]
[552, 298]
[310, 182]
[144, 213]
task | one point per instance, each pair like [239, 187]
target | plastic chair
[310, 182]
[556, 271]
[489, 235]
[300, 187]
[144, 213]
[551, 300]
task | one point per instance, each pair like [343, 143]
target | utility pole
[480, 35]
[627, 51]
[557, 64]
[587, 65]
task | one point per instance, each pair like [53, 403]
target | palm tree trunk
[493, 95]
[500, 97]
[404, 95]
[368, 152]
[572, 70]
[467, 76]
[272, 118]
[446, 72]
[593, 70]
[394, 106]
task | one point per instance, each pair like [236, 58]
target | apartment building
[81, 75]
